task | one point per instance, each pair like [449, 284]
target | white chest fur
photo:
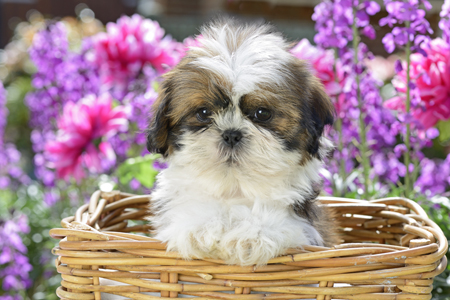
[238, 229]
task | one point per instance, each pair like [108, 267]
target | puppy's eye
[204, 114]
[263, 114]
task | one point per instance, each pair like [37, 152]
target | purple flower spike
[444, 24]
[334, 20]
[15, 265]
[62, 76]
[401, 13]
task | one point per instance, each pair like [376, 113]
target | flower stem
[408, 126]
[362, 127]
[340, 148]
[342, 174]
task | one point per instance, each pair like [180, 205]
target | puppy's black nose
[232, 137]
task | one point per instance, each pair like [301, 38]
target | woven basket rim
[418, 257]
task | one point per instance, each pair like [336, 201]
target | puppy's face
[240, 106]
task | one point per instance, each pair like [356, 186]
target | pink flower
[322, 65]
[322, 62]
[190, 42]
[128, 45]
[431, 75]
[82, 139]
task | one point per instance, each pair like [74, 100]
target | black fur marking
[173, 139]
[220, 99]
[294, 143]
[158, 132]
[308, 208]
[321, 114]
[196, 128]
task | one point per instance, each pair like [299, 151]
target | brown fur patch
[185, 90]
[300, 111]
[320, 217]
[327, 226]
[316, 109]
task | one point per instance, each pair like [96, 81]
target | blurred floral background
[78, 80]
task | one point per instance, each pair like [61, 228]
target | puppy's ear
[159, 129]
[322, 113]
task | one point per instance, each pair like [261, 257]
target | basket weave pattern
[390, 250]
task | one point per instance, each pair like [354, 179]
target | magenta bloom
[322, 62]
[131, 43]
[82, 139]
[431, 75]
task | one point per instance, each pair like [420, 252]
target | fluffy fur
[251, 201]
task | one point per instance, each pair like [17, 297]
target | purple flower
[380, 130]
[398, 66]
[408, 23]
[9, 297]
[334, 20]
[444, 23]
[15, 266]
[435, 176]
[51, 197]
[62, 76]
[159, 165]
[334, 24]
[379, 121]
[134, 184]
[371, 7]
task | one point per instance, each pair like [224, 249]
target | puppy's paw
[249, 251]
[200, 242]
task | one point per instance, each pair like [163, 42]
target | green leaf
[155, 85]
[444, 130]
[140, 168]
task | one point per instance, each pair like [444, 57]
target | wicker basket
[390, 250]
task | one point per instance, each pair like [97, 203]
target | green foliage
[140, 168]
[18, 117]
[444, 130]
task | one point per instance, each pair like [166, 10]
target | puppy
[240, 123]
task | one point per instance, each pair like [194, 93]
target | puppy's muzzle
[232, 137]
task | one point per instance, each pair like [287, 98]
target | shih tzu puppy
[240, 122]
